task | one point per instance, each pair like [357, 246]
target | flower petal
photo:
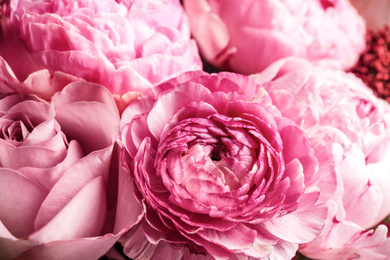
[91, 207]
[86, 248]
[72, 181]
[307, 225]
[23, 198]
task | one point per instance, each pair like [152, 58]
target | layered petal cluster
[247, 36]
[359, 125]
[60, 169]
[125, 46]
[221, 173]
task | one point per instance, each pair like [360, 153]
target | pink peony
[221, 173]
[127, 46]
[375, 12]
[247, 36]
[60, 170]
[359, 125]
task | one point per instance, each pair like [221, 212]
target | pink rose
[127, 46]
[375, 12]
[60, 174]
[359, 125]
[247, 36]
[221, 172]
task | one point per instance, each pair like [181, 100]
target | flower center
[216, 154]
[216, 149]
[15, 131]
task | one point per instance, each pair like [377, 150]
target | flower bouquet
[194, 129]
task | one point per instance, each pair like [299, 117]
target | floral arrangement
[207, 129]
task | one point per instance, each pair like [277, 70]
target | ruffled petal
[307, 225]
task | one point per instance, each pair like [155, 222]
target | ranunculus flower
[359, 125]
[375, 12]
[247, 36]
[221, 172]
[127, 46]
[61, 183]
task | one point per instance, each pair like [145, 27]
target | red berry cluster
[374, 63]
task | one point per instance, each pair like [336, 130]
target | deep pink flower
[60, 178]
[127, 46]
[359, 125]
[247, 36]
[221, 172]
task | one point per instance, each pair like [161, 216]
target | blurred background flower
[126, 46]
[359, 126]
[247, 36]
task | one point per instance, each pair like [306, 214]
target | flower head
[59, 169]
[221, 172]
[126, 46]
[247, 36]
[359, 126]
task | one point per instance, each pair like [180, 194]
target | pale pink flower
[128, 46]
[376, 13]
[221, 173]
[359, 125]
[60, 176]
[247, 36]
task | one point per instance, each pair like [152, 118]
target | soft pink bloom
[247, 36]
[127, 46]
[221, 173]
[60, 174]
[345, 240]
[359, 125]
[375, 12]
